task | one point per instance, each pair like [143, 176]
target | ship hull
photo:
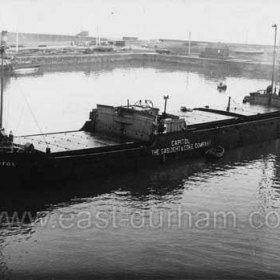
[37, 168]
[264, 99]
[25, 69]
[186, 144]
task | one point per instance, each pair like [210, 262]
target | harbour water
[196, 220]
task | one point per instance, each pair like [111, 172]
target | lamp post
[273, 67]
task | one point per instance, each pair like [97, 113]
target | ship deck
[81, 140]
[68, 141]
[198, 117]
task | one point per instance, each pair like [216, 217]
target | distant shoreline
[108, 58]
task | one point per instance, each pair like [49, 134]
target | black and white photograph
[139, 139]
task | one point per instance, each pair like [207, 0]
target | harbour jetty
[235, 64]
[49, 49]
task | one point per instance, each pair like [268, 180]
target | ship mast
[2, 85]
[273, 67]
[2, 50]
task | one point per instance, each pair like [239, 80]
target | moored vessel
[215, 152]
[221, 86]
[263, 97]
[129, 137]
[271, 95]
[248, 51]
[25, 68]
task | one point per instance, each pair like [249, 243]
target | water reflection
[6, 81]
[192, 184]
[160, 183]
[195, 185]
[269, 192]
[4, 270]
[39, 73]
[217, 73]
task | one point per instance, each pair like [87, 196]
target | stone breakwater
[75, 58]
[228, 64]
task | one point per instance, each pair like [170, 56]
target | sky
[240, 21]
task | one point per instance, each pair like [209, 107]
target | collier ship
[130, 137]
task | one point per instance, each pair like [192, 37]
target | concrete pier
[227, 64]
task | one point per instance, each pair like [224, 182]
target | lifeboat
[215, 152]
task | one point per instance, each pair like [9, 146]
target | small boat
[215, 152]
[249, 51]
[221, 86]
[25, 69]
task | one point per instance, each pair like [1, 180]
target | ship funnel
[4, 38]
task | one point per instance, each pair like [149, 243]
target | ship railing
[9, 147]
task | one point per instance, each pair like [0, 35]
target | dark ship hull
[97, 155]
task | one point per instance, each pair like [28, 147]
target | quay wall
[75, 58]
[227, 65]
